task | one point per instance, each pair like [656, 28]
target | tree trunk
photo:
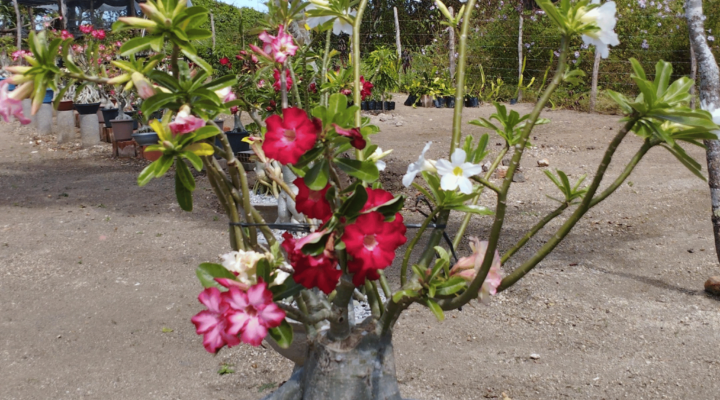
[361, 367]
[710, 99]
[18, 24]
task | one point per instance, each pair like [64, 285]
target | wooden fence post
[451, 39]
[212, 27]
[520, 54]
[397, 36]
[18, 24]
[594, 89]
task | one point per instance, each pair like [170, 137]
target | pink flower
[11, 104]
[468, 267]
[289, 137]
[254, 313]
[356, 139]
[118, 43]
[213, 322]
[224, 61]
[261, 83]
[372, 242]
[20, 54]
[366, 89]
[280, 47]
[288, 80]
[142, 85]
[66, 35]
[86, 29]
[98, 34]
[226, 94]
[101, 47]
[346, 92]
[185, 122]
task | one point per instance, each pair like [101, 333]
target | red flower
[289, 137]
[346, 92]
[86, 29]
[312, 202]
[253, 313]
[98, 34]
[372, 243]
[272, 105]
[376, 197]
[213, 322]
[224, 61]
[356, 139]
[288, 80]
[320, 271]
[366, 89]
[312, 88]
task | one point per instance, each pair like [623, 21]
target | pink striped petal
[237, 322]
[271, 316]
[254, 333]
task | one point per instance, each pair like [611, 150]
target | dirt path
[98, 282]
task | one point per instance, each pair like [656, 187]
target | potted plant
[87, 99]
[66, 102]
[123, 124]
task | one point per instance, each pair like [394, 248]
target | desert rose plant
[296, 291]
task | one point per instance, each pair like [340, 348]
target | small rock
[519, 177]
[534, 356]
[399, 123]
[59, 336]
[383, 117]
[506, 162]
[543, 162]
[712, 285]
[486, 166]
[501, 172]
[691, 251]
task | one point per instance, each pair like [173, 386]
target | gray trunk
[361, 367]
[710, 98]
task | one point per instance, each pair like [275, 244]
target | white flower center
[370, 242]
[457, 171]
[289, 135]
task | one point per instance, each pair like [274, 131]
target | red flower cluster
[65, 35]
[86, 29]
[366, 89]
[312, 88]
[98, 34]
[288, 80]
[290, 136]
[224, 61]
[371, 240]
[247, 313]
[320, 271]
[312, 203]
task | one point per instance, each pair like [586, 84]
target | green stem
[269, 237]
[535, 229]
[486, 183]
[626, 172]
[236, 239]
[356, 59]
[411, 246]
[373, 299]
[296, 91]
[384, 284]
[340, 328]
[174, 62]
[468, 216]
[460, 77]
[283, 87]
[575, 217]
[326, 60]
[501, 207]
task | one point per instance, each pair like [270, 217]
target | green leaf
[282, 335]
[207, 272]
[183, 195]
[354, 203]
[308, 157]
[663, 71]
[392, 207]
[156, 101]
[317, 177]
[206, 132]
[451, 286]
[164, 164]
[221, 83]
[336, 105]
[183, 173]
[196, 59]
[435, 308]
[686, 160]
[194, 159]
[286, 290]
[399, 295]
[138, 44]
[637, 67]
[363, 170]
[148, 173]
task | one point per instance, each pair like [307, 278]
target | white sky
[256, 4]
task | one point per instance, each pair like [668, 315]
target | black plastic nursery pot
[371, 105]
[472, 102]
[146, 138]
[109, 114]
[364, 105]
[450, 101]
[410, 100]
[236, 141]
[86, 109]
[439, 102]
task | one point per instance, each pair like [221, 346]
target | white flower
[377, 157]
[242, 263]
[339, 26]
[715, 112]
[418, 166]
[604, 18]
[457, 172]
[280, 276]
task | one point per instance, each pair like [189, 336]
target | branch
[460, 77]
[535, 229]
[486, 183]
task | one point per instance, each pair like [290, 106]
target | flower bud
[142, 85]
[139, 23]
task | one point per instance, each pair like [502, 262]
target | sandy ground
[98, 282]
